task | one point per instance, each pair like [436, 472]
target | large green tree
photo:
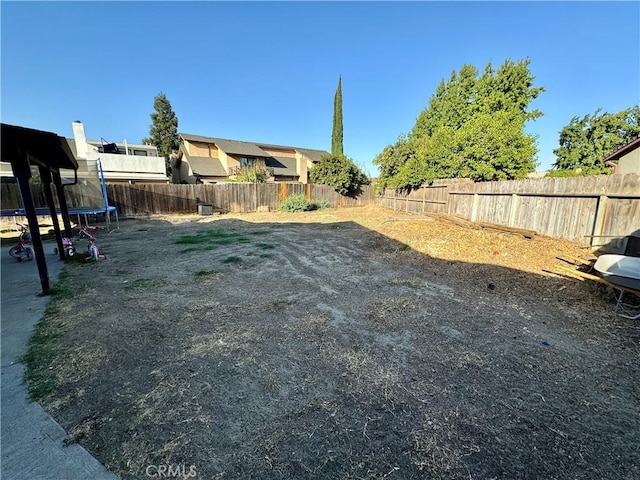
[473, 127]
[585, 141]
[163, 132]
[336, 136]
[340, 172]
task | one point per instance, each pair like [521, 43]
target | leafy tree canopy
[340, 172]
[586, 141]
[163, 132]
[473, 128]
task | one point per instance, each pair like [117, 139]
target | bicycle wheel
[15, 251]
[28, 252]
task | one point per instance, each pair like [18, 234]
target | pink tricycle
[93, 251]
[67, 246]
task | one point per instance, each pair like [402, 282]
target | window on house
[245, 161]
[141, 153]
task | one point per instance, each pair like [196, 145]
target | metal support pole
[22, 173]
[62, 201]
[45, 176]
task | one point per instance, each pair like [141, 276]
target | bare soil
[341, 345]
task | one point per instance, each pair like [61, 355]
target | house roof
[283, 166]
[314, 155]
[252, 149]
[623, 150]
[195, 138]
[233, 147]
[236, 147]
[206, 167]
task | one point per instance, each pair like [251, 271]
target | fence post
[598, 221]
[474, 207]
[283, 192]
[308, 191]
[513, 209]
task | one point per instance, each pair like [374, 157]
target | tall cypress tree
[336, 136]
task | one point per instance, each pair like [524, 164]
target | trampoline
[44, 212]
[100, 195]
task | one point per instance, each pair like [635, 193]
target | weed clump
[295, 203]
[205, 273]
[299, 203]
[232, 260]
[320, 204]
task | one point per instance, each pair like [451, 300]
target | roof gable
[205, 166]
[623, 150]
[283, 166]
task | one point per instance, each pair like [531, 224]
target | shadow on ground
[326, 350]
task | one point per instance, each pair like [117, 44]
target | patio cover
[26, 147]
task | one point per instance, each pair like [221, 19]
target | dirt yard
[338, 345]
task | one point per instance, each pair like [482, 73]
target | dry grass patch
[354, 348]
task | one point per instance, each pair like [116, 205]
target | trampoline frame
[107, 209]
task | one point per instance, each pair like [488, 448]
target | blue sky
[267, 71]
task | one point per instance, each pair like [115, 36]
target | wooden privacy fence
[595, 210]
[146, 199]
[432, 198]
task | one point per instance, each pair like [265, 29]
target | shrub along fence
[595, 210]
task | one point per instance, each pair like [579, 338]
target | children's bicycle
[93, 251]
[67, 246]
[23, 250]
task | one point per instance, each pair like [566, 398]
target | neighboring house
[213, 160]
[628, 158]
[121, 162]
